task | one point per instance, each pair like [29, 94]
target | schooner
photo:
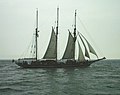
[50, 59]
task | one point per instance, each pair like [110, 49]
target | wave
[7, 89]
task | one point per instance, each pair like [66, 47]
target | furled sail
[69, 52]
[90, 47]
[51, 50]
[86, 51]
[80, 54]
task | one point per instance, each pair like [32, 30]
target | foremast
[57, 31]
[74, 36]
[36, 36]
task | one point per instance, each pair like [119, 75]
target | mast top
[36, 17]
[75, 19]
[75, 27]
[57, 20]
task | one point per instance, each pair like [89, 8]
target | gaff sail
[69, 51]
[51, 50]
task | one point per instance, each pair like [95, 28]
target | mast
[36, 35]
[74, 35]
[57, 30]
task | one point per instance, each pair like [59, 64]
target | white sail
[51, 50]
[90, 47]
[69, 52]
[80, 54]
[86, 51]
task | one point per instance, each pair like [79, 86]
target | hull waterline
[55, 64]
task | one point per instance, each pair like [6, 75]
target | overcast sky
[100, 17]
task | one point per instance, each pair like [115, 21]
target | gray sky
[100, 17]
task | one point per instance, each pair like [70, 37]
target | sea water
[102, 77]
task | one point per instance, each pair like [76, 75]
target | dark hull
[54, 64]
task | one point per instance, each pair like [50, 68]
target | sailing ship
[50, 59]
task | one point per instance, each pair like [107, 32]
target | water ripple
[100, 78]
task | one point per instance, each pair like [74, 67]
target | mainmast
[57, 30]
[74, 34]
[36, 35]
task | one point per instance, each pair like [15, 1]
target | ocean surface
[101, 78]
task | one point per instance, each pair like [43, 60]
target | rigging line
[89, 35]
[32, 46]
[27, 49]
